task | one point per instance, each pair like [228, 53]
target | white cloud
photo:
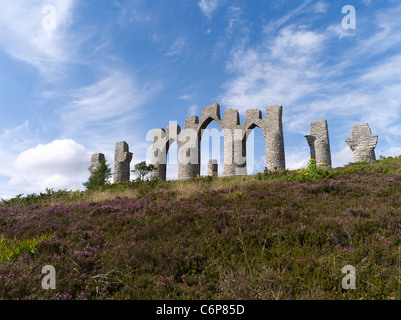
[340, 32]
[342, 157]
[24, 38]
[60, 164]
[208, 7]
[320, 7]
[278, 72]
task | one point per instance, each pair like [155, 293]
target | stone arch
[252, 128]
[161, 142]
[235, 136]
[212, 133]
[272, 130]
[172, 134]
[209, 114]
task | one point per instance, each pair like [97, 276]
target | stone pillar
[159, 154]
[362, 143]
[96, 160]
[239, 153]
[229, 153]
[212, 168]
[233, 151]
[188, 154]
[319, 143]
[274, 138]
[122, 160]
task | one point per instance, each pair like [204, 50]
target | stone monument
[96, 160]
[362, 143]
[235, 137]
[319, 143]
[122, 160]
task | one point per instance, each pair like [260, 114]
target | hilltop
[279, 235]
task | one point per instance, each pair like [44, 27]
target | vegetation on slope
[280, 235]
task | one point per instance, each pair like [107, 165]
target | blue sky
[111, 71]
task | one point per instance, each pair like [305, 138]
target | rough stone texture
[212, 168]
[319, 143]
[362, 143]
[159, 154]
[122, 161]
[235, 136]
[96, 160]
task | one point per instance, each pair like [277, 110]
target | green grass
[11, 249]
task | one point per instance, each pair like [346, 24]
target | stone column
[159, 154]
[96, 160]
[122, 160]
[239, 153]
[188, 154]
[319, 143]
[212, 168]
[362, 143]
[274, 138]
[229, 153]
[234, 150]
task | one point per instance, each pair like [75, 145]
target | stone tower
[122, 160]
[319, 143]
[362, 143]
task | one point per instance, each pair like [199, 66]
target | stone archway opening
[211, 147]
[172, 160]
[255, 150]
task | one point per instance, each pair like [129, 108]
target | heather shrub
[279, 235]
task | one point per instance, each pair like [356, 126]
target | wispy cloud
[106, 108]
[25, 39]
[289, 57]
[274, 25]
[291, 68]
[177, 47]
[235, 34]
[208, 7]
[320, 7]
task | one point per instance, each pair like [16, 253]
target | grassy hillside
[282, 235]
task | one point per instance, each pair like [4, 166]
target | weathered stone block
[212, 168]
[274, 138]
[319, 143]
[362, 143]
[96, 160]
[159, 154]
[122, 160]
